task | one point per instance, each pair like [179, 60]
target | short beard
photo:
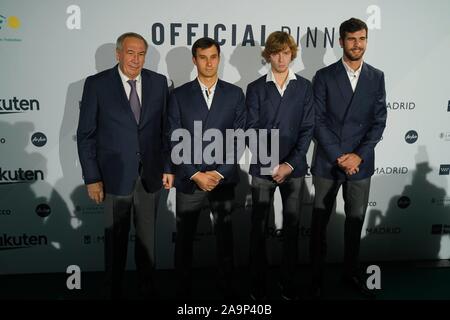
[349, 57]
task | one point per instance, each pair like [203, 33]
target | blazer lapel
[121, 95]
[146, 87]
[285, 101]
[273, 95]
[198, 101]
[215, 105]
[361, 87]
[343, 83]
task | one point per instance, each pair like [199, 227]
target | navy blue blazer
[110, 142]
[347, 122]
[294, 120]
[186, 105]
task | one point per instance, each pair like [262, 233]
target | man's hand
[167, 180]
[349, 162]
[214, 174]
[281, 172]
[205, 181]
[95, 191]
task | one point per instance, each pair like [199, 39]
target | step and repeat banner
[48, 48]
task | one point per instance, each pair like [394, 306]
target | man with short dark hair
[204, 104]
[350, 107]
[123, 153]
[279, 100]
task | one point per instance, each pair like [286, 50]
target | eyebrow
[131, 50]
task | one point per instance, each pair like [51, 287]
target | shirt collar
[125, 78]
[203, 87]
[350, 70]
[271, 76]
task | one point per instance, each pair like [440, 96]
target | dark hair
[204, 43]
[121, 38]
[352, 25]
[278, 41]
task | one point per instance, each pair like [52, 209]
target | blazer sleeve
[234, 153]
[325, 137]
[87, 133]
[373, 136]
[174, 123]
[305, 131]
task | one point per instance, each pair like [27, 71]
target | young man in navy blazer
[350, 107]
[279, 100]
[124, 155]
[205, 104]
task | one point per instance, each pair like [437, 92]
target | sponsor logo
[402, 106]
[383, 230]
[8, 26]
[391, 170]
[20, 176]
[274, 233]
[403, 202]
[5, 212]
[445, 136]
[16, 105]
[38, 139]
[11, 22]
[89, 210]
[8, 242]
[444, 170]
[440, 229]
[89, 239]
[411, 136]
[441, 202]
[43, 210]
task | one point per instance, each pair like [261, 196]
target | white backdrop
[48, 48]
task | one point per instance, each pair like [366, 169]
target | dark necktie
[134, 100]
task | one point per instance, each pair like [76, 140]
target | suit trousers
[118, 210]
[356, 197]
[188, 208]
[262, 201]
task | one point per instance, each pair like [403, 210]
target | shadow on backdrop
[179, 66]
[248, 62]
[312, 56]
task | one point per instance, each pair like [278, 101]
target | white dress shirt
[208, 93]
[271, 77]
[352, 74]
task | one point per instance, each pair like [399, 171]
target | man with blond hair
[279, 100]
